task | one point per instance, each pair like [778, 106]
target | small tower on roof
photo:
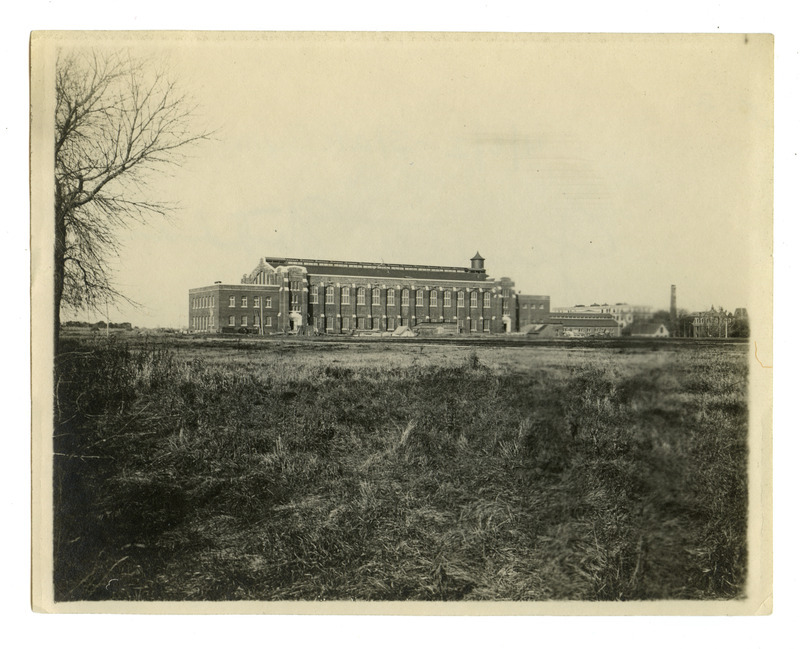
[477, 261]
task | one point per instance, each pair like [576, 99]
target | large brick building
[312, 295]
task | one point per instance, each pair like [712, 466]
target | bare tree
[117, 119]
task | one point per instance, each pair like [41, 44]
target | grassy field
[385, 471]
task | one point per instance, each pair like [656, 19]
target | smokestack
[673, 303]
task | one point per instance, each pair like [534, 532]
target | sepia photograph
[402, 323]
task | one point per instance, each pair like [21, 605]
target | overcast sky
[591, 169]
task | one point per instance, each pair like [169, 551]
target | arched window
[420, 298]
[473, 300]
[404, 297]
[376, 296]
[434, 298]
[487, 300]
[447, 298]
[390, 297]
[361, 295]
[329, 295]
[346, 295]
[461, 299]
[315, 295]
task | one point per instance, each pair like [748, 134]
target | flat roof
[236, 287]
[375, 269]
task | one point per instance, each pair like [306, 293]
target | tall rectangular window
[447, 298]
[390, 297]
[244, 301]
[267, 302]
[329, 295]
[268, 321]
[231, 320]
[473, 300]
[232, 301]
[376, 297]
[256, 321]
[487, 300]
[361, 295]
[346, 295]
[461, 299]
[314, 298]
[345, 323]
[434, 298]
[256, 302]
[404, 297]
[420, 298]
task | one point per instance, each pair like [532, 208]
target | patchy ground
[203, 470]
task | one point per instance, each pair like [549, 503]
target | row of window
[243, 321]
[270, 279]
[405, 296]
[533, 306]
[203, 302]
[256, 302]
[200, 323]
[368, 323]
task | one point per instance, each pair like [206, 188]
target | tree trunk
[58, 274]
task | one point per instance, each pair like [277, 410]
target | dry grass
[394, 472]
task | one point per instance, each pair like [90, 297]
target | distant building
[532, 311]
[335, 297]
[712, 323]
[649, 330]
[625, 314]
[585, 325]
[718, 323]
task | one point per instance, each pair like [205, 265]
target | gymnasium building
[347, 297]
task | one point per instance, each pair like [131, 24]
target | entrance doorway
[295, 321]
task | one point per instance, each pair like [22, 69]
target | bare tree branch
[116, 120]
